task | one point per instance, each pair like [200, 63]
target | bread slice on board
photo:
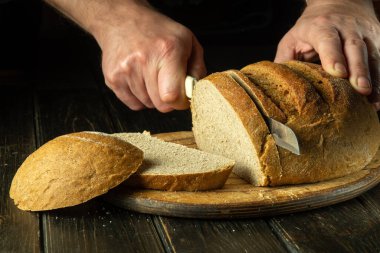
[338, 130]
[72, 169]
[173, 167]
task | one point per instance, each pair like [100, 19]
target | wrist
[365, 7]
[114, 15]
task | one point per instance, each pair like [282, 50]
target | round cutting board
[238, 199]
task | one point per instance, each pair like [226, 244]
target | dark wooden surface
[239, 199]
[64, 92]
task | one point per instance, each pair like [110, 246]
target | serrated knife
[283, 135]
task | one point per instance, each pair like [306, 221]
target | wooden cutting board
[238, 199]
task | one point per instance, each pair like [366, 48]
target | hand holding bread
[345, 36]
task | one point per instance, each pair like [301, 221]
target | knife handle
[189, 86]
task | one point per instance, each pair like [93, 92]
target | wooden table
[64, 92]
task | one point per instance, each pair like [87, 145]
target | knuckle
[371, 28]
[111, 78]
[329, 35]
[322, 20]
[134, 59]
[168, 45]
[355, 42]
[137, 57]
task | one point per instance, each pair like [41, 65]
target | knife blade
[283, 135]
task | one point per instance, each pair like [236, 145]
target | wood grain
[18, 230]
[345, 227]
[191, 235]
[95, 226]
[240, 199]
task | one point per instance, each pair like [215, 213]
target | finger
[125, 95]
[286, 49]
[117, 83]
[171, 80]
[196, 66]
[310, 56]
[138, 89]
[356, 54]
[374, 68]
[326, 41]
[290, 48]
[151, 77]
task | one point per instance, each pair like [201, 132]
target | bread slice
[227, 122]
[72, 169]
[173, 167]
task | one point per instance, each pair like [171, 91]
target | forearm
[95, 15]
[364, 3]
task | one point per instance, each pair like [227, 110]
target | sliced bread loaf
[72, 169]
[337, 128]
[173, 167]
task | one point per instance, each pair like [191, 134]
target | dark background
[233, 33]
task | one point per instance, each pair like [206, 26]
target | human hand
[146, 57]
[345, 34]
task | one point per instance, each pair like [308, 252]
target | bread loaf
[173, 167]
[72, 169]
[337, 128]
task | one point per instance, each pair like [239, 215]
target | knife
[283, 135]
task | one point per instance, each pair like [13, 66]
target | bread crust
[209, 180]
[187, 181]
[291, 92]
[72, 169]
[338, 131]
[254, 124]
[261, 100]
